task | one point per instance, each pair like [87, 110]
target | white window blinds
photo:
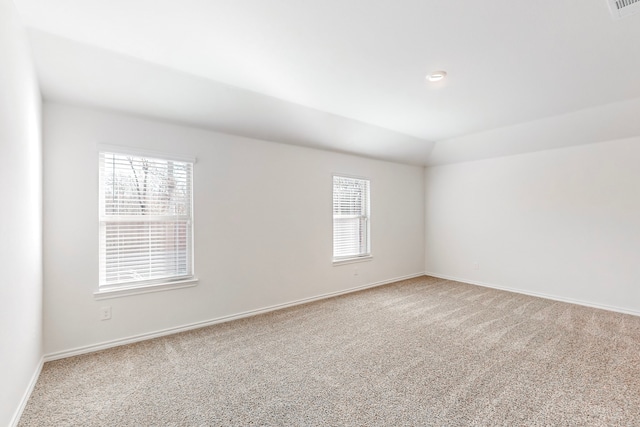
[350, 218]
[146, 225]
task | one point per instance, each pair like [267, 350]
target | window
[350, 218]
[146, 221]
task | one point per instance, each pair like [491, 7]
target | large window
[350, 218]
[146, 221]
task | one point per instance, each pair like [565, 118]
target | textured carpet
[424, 351]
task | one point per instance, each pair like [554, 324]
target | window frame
[114, 290]
[362, 256]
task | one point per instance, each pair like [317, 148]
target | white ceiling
[349, 75]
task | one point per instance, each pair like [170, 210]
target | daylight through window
[350, 218]
[146, 223]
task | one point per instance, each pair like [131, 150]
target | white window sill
[143, 289]
[352, 260]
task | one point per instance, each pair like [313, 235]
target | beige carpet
[420, 352]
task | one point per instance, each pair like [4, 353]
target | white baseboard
[169, 331]
[27, 394]
[538, 294]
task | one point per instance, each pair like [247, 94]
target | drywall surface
[262, 218]
[76, 73]
[563, 223]
[20, 217]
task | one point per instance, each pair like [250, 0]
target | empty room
[310, 213]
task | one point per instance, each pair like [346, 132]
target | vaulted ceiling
[350, 75]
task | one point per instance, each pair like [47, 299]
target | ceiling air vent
[623, 8]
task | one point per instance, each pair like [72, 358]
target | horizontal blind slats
[145, 218]
[350, 217]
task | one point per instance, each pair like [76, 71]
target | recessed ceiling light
[436, 76]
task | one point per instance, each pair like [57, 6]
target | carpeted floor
[420, 352]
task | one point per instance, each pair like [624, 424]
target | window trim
[134, 151]
[150, 285]
[122, 291]
[350, 259]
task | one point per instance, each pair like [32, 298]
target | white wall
[263, 226]
[20, 217]
[563, 223]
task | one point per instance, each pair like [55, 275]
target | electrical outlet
[476, 265]
[105, 313]
[355, 271]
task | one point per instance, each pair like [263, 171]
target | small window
[146, 221]
[350, 218]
